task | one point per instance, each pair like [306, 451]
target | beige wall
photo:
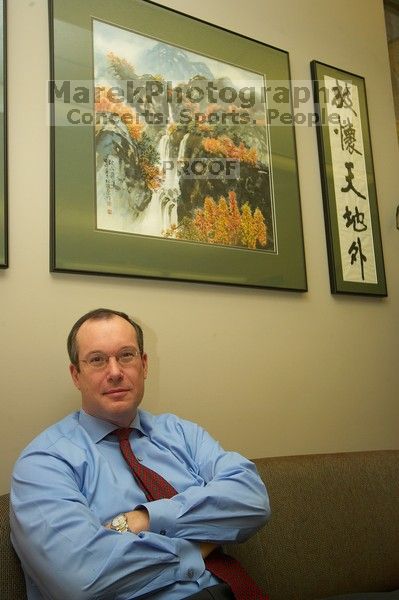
[267, 372]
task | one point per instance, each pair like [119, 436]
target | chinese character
[354, 251]
[342, 97]
[356, 219]
[348, 136]
[348, 178]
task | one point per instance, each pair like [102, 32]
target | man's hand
[138, 520]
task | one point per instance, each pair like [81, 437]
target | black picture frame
[3, 139]
[353, 234]
[77, 245]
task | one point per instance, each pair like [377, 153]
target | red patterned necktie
[155, 487]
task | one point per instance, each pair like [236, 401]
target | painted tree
[120, 67]
[224, 223]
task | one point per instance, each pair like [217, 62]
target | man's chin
[120, 411]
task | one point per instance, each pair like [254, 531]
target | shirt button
[163, 532]
[190, 573]
[139, 458]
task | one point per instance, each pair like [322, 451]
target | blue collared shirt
[72, 479]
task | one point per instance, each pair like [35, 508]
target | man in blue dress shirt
[80, 523]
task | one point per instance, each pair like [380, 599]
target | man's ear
[75, 375]
[144, 361]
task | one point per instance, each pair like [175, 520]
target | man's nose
[114, 368]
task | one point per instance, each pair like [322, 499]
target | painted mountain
[174, 63]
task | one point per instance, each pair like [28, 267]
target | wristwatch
[119, 523]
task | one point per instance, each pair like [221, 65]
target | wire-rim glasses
[99, 360]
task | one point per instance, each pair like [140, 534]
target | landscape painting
[182, 144]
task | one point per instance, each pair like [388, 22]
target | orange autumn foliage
[152, 174]
[225, 146]
[126, 113]
[223, 223]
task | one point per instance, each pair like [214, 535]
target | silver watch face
[118, 521]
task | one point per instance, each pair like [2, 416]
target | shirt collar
[98, 428]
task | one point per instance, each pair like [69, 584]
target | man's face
[114, 392]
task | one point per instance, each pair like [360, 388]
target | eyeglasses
[98, 360]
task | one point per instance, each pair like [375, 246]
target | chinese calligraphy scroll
[350, 203]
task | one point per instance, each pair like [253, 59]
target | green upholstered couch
[334, 528]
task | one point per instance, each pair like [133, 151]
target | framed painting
[353, 235]
[3, 140]
[168, 159]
